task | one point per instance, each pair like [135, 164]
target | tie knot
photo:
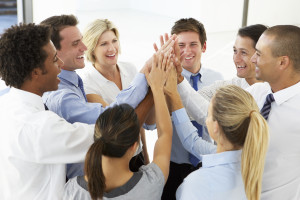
[270, 98]
[196, 77]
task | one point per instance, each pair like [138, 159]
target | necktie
[193, 159]
[80, 85]
[267, 106]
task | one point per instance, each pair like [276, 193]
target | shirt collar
[283, 95]
[187, 74]
[226, 157]
[28, 98]
[70, 76]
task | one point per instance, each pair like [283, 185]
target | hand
[171, 83]
[158, 75]
[178, 56]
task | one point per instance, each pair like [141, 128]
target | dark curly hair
[190, 24]
[57, 23]
[21, 51]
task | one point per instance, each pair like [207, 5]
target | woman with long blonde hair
[233, 168]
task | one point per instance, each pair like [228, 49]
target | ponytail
[93, 170]
[253, 155]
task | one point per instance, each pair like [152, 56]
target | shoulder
[72, 190]
[195, 185]
[127, 67]
[212, 74]
[152, 172]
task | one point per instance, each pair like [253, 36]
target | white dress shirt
[196, 103]
[281, 178]
[35, 145]
[95, 83]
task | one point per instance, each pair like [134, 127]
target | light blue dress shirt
[69, 103]
[178, 153]
[219, 178]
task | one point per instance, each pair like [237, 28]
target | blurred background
[140, 22]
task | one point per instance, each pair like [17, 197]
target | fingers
[162, 42]
[166, 37]
[155, 47]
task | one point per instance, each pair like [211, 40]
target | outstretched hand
[177, 58]
[160, 68]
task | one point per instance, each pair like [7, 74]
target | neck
[29, 87]
[252, 81]
[117, 169]
[109, 72]
[285, 82]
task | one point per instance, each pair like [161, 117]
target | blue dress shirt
[69, 103]
[219, 178]
[178, 153]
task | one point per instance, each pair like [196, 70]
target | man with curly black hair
[35, 144]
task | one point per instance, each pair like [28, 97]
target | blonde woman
[233, 168]
[104, 76]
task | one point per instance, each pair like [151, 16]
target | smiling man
[277, 61]
[35, 144]
[191, 36]
[69, 101]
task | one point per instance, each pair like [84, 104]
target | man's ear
[204, 47]
[36, 72]
[284, 62]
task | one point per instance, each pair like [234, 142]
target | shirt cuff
[149, 127]
[180, 116]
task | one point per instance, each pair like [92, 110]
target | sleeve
[195, 104]
[188, 135]
[47, 138]
[135, 93]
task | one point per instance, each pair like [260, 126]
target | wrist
[179, 78]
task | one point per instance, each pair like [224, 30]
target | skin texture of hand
[176, 58]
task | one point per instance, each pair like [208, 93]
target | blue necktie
[193, 159]
[80, 85]
[267, 106]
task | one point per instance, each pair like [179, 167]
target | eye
[234, 51]
[103, 44]
[244, 53]
[115, 40]
[55, 59]
[257, 53]
[75, 43]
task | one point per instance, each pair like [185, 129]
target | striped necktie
[267, 106]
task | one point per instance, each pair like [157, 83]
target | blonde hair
[238, 115]
[92, 33]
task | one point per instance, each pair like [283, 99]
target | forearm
[144, 108]
[145, 150]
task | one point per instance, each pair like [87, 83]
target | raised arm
[156, 79]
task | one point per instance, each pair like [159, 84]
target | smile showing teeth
[241, 67]
[111, 55]
[188, 58]
[80, 57]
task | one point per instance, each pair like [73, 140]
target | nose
[253, 58]
[83, 47]
[111, 47]
[60, 64]
[237, 57]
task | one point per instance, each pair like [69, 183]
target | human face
[210, 123]
[48, 80]
[72, 48]
[107, 50]
[266, 65]
[191, 50]
[243, 50]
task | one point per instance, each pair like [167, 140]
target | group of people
[81, 136]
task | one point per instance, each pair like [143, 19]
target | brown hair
[237, 113]
[58, 23]
[286, 42]
[190, 24]
[116, 130]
